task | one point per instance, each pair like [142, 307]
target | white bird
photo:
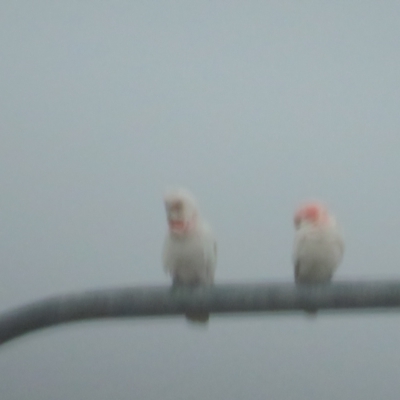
[318, 245]
[190, 249]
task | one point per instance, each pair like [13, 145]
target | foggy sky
[255, 107]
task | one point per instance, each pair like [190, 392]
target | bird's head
[312, 213]
[181, 210]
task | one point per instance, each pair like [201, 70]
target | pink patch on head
[312, 212]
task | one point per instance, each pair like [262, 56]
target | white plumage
[318, 247]
[190, 249]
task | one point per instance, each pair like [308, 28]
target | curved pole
[164, 301]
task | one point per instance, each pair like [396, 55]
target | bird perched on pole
[318, 245]
[190, 249]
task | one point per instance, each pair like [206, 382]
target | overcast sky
[255, 107]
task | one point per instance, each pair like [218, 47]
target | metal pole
[164, 301]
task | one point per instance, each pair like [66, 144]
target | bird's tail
[198, 318]
[193, 317]
[311, 313]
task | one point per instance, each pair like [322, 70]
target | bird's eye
[176, 206]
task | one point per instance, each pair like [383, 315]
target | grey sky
[254, 106]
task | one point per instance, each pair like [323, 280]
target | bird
[190, 248]
[318, 245]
